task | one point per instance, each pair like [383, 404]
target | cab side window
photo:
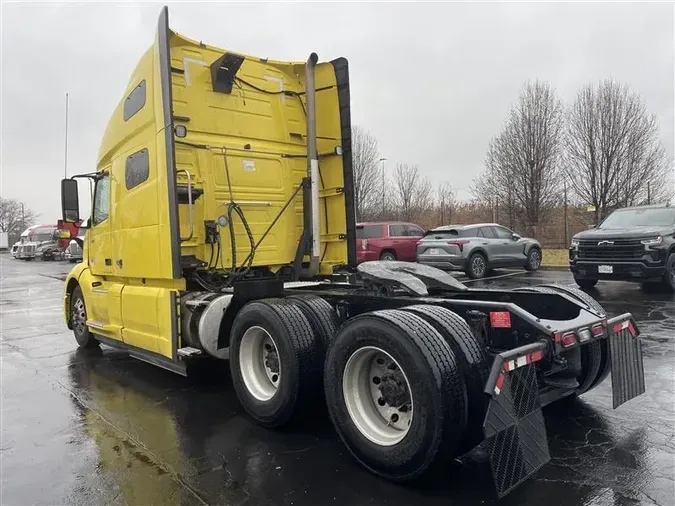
[135, 101]
[101, 200]
[137, 169]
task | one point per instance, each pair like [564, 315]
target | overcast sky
[432, 82]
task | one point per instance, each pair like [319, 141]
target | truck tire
[78, 321]
[275, 361]
[388, 256]
[595, 365]
[585, 283]
[669, 276]
[476, 266]
[473, 365]
[321, 316]
[394, 393]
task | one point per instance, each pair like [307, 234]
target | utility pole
[382, 160]
[65, 158]
[442, 204]
[510, 209]
[565, 206]
[649, 194]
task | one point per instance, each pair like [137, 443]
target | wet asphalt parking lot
[105, 429]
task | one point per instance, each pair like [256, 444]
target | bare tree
[413, 194]
[15, 217]
[613, 153]
[447, 202]
[523, 162]
[367, 173]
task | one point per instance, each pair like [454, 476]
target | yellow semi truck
[222, 225]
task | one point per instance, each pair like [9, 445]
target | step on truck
[223, 226]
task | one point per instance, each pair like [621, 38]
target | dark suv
[632, 244]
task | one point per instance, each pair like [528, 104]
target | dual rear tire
[395, 381]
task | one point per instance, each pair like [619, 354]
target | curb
[554, 268]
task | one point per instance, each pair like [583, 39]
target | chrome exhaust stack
[312, 163]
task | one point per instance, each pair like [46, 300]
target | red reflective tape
[499, 383]
[556, 337]
[500, 319]
[536, 356]
[631, 329]
[623, 325]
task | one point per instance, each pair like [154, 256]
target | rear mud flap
[514, 429]
[625, 351]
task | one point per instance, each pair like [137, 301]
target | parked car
[478, 248]
[73, 252]
[387, 241]
[631, 244]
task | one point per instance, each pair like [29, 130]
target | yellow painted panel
[261, 136]
[164, 345]
[140, 316]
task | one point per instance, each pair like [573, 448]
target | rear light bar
[568, 339]
[598, 329]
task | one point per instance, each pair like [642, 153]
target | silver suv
[477, 248]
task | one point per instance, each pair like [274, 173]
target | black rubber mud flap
[514, 423]
[628, 374]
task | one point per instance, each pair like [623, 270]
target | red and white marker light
[568, 339]
[597, 330]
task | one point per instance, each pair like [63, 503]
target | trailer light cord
[232, 206]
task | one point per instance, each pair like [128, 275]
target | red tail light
[568, 339]
[597, 330]
[500, 319]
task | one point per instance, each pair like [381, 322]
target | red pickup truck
[387, 241]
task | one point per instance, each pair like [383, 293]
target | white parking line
[494, 277]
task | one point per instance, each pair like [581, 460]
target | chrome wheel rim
[259, 363]
[478, 265]
[79, 317]
[378, 396]
[535, 259]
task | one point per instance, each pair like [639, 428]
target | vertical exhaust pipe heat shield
[312, 163]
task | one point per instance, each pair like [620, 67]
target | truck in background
[4, 241]
[223, 226]
[46, 242]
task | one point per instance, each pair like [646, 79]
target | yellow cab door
[136, 257]
[99, 247]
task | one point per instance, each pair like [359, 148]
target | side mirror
[70, 202]
[516, 237]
